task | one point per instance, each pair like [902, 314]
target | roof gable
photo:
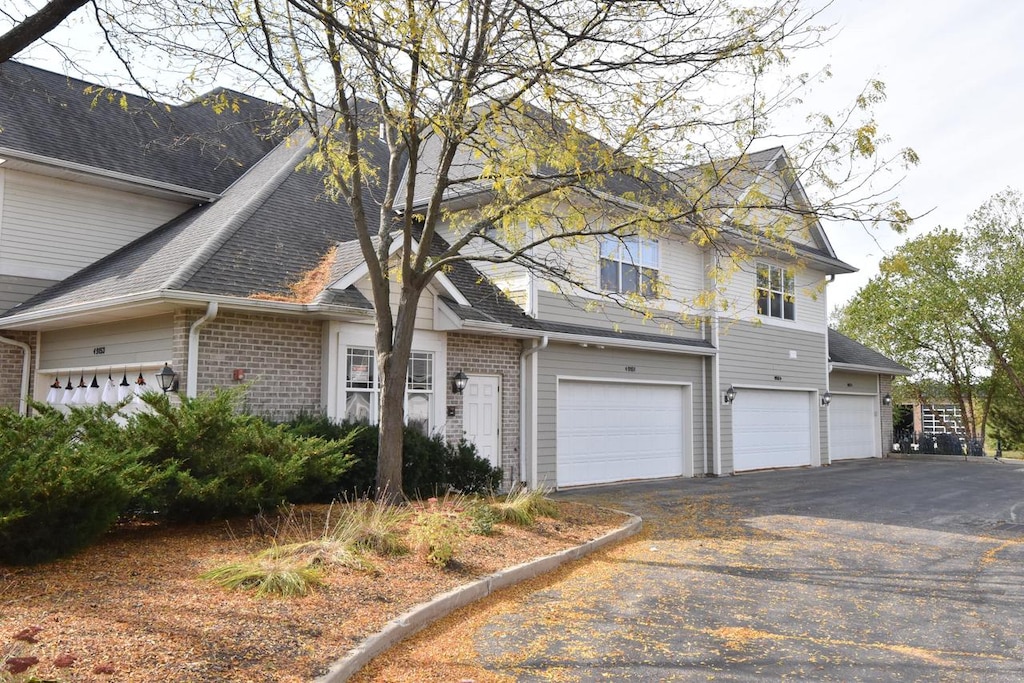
[48, 116]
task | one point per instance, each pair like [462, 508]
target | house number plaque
[99, 350]
[630, 368]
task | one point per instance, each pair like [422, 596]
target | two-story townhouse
[264, 283]
[85, 171]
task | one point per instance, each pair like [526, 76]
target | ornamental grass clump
[522, 506]
[269, 573]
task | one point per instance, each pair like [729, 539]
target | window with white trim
[362, 389]
[629, 265]
[776, 292]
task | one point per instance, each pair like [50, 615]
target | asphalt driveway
[871, 570]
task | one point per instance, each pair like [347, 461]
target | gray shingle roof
[192, 146]
[845, 351]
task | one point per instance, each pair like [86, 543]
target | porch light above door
[459, 382]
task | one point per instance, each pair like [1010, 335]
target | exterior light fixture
[167, 378]
[730, 395]
[887, 400]
[459, 382]
[826, 398]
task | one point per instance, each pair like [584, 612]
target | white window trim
[621, 258]
[342, 336]
[792, 276]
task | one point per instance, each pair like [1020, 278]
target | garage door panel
[771, 429]
[615, 431]
[853, 427]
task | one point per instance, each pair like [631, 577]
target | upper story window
[776, 292]
[362, 388]
[629, 265]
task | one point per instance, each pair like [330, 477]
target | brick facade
[281, 356]
[11, 363]
[489, 356]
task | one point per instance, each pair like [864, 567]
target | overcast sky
[953, 70]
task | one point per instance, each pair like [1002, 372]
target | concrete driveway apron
[868, 570]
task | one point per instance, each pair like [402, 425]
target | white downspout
[192, 376]
[531, 482]
[26, 365]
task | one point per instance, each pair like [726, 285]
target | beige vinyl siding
[15, 290]
[126, 344]
[424, 307]
[570, 360]
[809, 284]
[52, 228]
[753, 355]
[853, 382]
[609, 315]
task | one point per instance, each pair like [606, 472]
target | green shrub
[437, 534]
[64, 480]
[430, 464]
[213, 461]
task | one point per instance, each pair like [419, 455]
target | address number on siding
[630, 368]
[99, 350]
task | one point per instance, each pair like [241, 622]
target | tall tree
[554, 121]
[915, 311]
[31, 27]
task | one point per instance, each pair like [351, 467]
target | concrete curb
[421, 616]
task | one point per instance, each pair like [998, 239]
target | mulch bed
[133, 607]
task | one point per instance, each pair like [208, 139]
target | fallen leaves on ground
[133, 608]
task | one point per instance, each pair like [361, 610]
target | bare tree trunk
[393, 353]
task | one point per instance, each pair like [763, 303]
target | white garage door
[853, 427]
[771, 429]
[610, 431]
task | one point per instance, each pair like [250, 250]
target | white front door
[481, 416]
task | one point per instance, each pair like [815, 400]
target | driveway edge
[421, 616]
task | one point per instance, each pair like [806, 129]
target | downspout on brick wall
[532, 481]
[26, 366]
[192, 376]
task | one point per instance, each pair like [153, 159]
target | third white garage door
[612, 431]
[853, 427]
[771, 429]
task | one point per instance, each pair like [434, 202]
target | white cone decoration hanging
[94, 393]
[55, 393]
[124, 390]
[69, 393]
[78, 398]
[139, 388]
[109, 395]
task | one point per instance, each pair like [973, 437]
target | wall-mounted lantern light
[887, 400]
[826, 398]
[459, 382]
[730, 395]
[167, 378]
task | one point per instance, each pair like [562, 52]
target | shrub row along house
[134, 236]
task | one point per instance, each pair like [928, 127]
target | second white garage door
[853, 427]
[771, 429]
[610, 431]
